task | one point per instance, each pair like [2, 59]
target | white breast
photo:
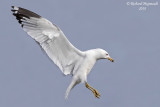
[90, 66]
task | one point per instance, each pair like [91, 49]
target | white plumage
[69, 59]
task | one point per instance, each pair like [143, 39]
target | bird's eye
[106, 54]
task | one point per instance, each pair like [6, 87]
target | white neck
[95, 53]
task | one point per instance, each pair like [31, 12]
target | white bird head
[102, 54]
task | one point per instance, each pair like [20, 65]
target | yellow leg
[95, 92]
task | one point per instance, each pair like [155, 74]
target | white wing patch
[51, 35]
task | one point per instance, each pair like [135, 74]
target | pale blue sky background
[29, 79]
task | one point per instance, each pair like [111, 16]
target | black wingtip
[13, 10]
[22, 14]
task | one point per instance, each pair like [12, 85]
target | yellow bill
[109, 58]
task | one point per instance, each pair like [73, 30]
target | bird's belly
[88, 71]
[84, 70]
[89, 68]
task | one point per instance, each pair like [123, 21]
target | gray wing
[50, 38]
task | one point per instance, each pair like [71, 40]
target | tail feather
[70, 87]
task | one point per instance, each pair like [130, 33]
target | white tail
[70, 87]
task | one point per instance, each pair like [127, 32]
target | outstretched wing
[50, 38]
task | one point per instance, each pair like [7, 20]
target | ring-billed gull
[69, 59]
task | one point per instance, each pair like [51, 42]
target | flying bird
[52, 40]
